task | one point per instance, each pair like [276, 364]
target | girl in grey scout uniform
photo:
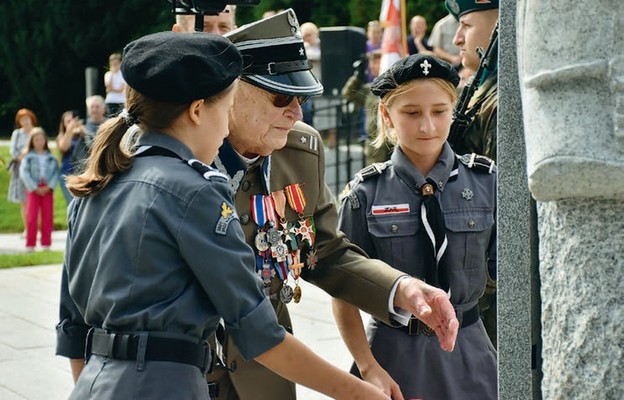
[155, 253]
[431, 214]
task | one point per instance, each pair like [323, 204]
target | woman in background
[25, 121]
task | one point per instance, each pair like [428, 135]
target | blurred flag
[393, 44]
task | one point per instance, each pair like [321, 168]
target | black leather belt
[124, 346]
[417, 327]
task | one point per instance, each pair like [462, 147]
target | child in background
[39, 172]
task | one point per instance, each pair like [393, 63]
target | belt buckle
[424, 329]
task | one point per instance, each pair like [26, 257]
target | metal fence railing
[342, 132]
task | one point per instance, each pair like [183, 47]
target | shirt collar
[167, 142]
[230, 163]
[440, 173]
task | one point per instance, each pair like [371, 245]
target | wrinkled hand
[430, 305]
[381, 379]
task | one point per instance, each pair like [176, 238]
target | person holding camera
[71, 132]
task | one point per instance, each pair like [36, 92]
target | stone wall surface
[581, 265]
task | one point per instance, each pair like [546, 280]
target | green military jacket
[343, 270]
[480, 135]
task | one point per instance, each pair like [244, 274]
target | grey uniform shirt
[153, 252]
[381, 214]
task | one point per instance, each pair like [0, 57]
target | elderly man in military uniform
[277, 166]
[477, 20]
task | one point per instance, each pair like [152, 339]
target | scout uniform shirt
[167, 255]
[381, 213]
[336, 266]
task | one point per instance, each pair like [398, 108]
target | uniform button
[233, 366]
[244, 219]
[245, 186]
[394, 228]
[471, 224]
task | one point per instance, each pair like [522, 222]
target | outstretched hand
[430, 305]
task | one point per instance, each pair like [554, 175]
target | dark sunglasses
[281, 100]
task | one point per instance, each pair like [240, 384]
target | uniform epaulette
[365, 173]
[370, 171]
[304, 137]
[477, 162]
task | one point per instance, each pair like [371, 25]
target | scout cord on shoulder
[461, 115]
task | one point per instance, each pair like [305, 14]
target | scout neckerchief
[431, 216]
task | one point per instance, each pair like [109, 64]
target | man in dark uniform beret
[477, 19]
[277, 166]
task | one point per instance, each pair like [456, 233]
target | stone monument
[571, 63]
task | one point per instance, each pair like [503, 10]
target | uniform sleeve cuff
[258, 331]
[398, 315]
[70, 340]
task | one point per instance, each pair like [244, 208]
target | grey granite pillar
[571, 58]
[515, 226]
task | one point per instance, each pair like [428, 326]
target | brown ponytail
[106, 159]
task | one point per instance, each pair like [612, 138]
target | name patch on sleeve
[390, 209]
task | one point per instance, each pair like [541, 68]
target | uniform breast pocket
[395, 239]
[469, 236]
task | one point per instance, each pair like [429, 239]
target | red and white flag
[393, 44]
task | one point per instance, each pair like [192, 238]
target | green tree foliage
[46, 45]
[341, 13]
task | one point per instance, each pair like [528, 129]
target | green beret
[461, 7]
[180, 67]
[413, 67]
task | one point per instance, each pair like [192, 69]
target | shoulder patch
[477, 162]
[227, 215]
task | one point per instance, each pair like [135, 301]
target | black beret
[180, 67]
[413, 67]
[461, 7]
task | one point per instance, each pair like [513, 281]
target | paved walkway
[29, 312]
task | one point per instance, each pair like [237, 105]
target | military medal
[288, 230]
[261, 242]
[305, 226]
[311, 259]
[286, 294]
[295, 269]
[297, 293]
[273, 236]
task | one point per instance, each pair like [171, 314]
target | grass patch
[10, 218]
[30, 259]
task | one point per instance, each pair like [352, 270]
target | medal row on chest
[283, 248]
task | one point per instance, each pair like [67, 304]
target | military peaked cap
[461, 7]
[413, 67]
[180, 67]
[274, 55]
